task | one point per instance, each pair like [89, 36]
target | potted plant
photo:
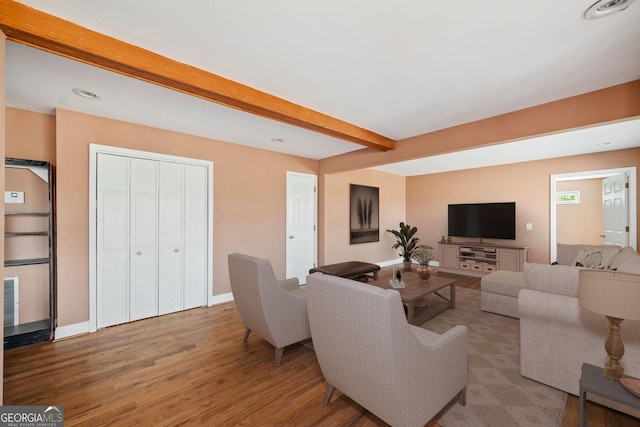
[405, 241]
[423, 255]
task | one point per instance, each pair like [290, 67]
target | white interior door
[615, 212]
[196, 231]
[170, 237]
[151, 236]
[112, 233]
[144, 239]
[301, 239]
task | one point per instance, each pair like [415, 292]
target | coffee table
[414, 295]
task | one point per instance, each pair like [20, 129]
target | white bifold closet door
[151, 238]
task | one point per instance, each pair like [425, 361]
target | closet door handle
[139, 253]
[176, 250]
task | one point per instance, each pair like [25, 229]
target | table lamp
[616, 296]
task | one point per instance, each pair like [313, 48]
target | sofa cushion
[556, 279]
[503, 282]
[631, 266]
[627, 253]
[595, 257]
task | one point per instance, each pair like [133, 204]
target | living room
[249, 208]
[419, 200]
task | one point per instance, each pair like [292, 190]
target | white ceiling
[398, 68]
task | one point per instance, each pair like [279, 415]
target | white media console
[475, 258]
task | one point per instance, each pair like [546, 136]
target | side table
[591, 381]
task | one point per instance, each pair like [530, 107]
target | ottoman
[356, 270]
[499, 292]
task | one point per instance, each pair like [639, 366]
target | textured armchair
[401, 373]
[275, 310]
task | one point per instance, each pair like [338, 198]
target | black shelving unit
[40, 330]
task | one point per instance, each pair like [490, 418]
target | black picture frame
[364, 214]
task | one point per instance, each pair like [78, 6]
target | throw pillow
[626, 254]
[598, 257]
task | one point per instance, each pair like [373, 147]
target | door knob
[139, 253]
[291, 237]
[176, 250]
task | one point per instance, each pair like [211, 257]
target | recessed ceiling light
[277, 140]
[600, 144]
[85, 93]
[606, 7]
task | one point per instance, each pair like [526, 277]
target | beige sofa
[499, 290]
[556, 335]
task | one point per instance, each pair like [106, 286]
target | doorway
[302, 234]
[590, 175]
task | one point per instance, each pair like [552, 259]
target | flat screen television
[483, 220]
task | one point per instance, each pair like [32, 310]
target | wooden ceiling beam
[40, 30]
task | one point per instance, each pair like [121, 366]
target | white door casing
[120, 252]
[301, 237]
[615, 213]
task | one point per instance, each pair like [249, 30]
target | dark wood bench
[357, 270]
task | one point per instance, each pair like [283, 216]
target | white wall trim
[94, 150]
[602, 173]
[71, 330]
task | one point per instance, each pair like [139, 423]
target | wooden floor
[192, 368]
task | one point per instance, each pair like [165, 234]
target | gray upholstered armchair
[275, 310]
[401, 373]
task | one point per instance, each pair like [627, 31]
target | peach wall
[336, 220]
[33, 279]
[525, 183]
[34, 291]
[249, 198]
[571, 228]
[31, 135]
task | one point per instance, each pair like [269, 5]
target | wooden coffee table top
[415, 289]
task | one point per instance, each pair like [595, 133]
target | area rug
[497, 395]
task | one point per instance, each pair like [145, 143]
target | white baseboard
[220, 298]
[69, 331]
[82, 328]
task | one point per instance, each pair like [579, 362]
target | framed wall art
[364, 214]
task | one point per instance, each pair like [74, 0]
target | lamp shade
[610, 293]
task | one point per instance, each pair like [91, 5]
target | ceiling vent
[606, 7]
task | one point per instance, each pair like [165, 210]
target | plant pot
[424, 272]
[407, 265]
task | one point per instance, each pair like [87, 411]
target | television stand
[478, 258]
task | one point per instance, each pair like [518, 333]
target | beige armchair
[401, 373]
[275, 310]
